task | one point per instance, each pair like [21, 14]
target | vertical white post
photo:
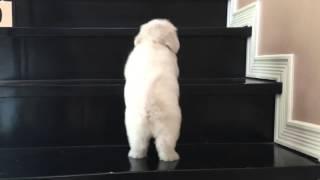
[231, 9]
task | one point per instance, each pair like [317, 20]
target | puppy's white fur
[152, 91]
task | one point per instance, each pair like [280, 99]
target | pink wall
[6, 9]
[293, 26]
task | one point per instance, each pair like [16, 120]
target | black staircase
[62, 107]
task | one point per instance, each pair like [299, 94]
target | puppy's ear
[172, 41]
[137, 39]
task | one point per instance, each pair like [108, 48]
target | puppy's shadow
[137, 165]
[167, 166]
[141, 165]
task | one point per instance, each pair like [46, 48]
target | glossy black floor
[111, 162]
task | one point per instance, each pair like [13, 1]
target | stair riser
[59, 116]
[117, 13]
[104, 57]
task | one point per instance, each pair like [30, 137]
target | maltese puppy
[152, 91]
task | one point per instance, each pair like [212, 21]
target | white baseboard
[297, 135]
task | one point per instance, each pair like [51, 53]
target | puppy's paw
[137, 154]
[173, 156]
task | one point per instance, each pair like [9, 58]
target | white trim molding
[300, 136]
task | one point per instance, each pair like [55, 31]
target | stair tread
[104, 87]
[112, 160]
[84, 82]
[120, 31]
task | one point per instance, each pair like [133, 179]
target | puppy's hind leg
[138, 135]
[167, 138]
[166, 148]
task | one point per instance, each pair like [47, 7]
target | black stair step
[124, 13]
[198, 161]
[98, 87]
[100, 53]
[115, 31]
[60, 113]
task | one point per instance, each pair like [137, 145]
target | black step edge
[198, 161]
[26, 88]
[243, 32]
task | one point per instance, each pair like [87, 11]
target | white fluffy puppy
[152, 91]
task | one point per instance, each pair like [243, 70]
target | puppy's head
[160, 31]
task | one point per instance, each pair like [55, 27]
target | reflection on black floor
[141, 165]
[113, 159]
